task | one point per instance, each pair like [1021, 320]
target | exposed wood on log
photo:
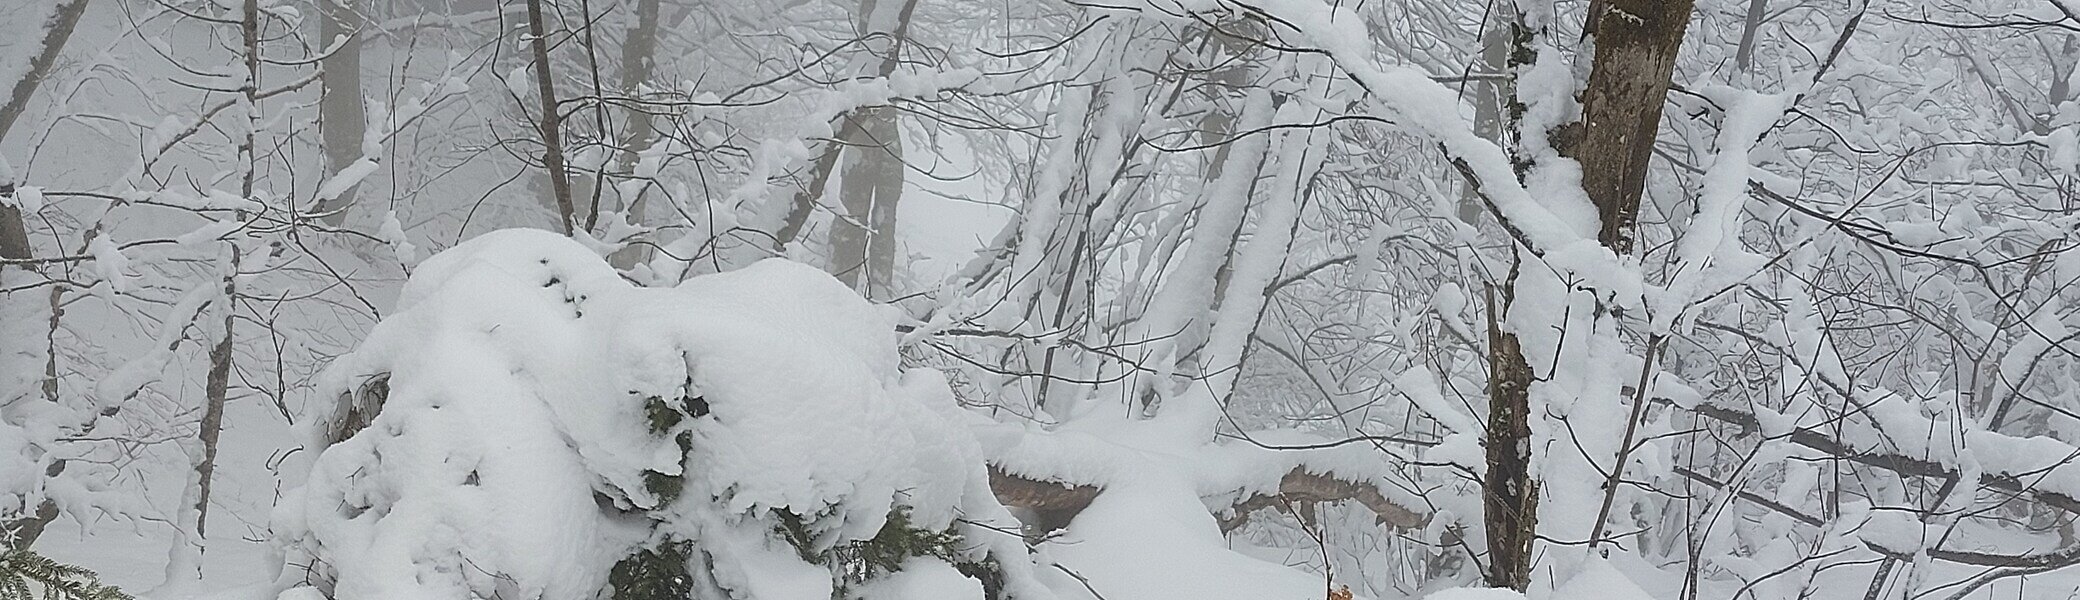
[1054, 502]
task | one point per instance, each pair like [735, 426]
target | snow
[111, 265]
[1475, 594]
[347, 178]
[1598, 580]
[1709, 254]
[924, 578]
[1150, 538]
[392, 234]
[211, 200]
[28, 198]
[519, 363]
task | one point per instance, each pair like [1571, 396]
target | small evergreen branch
[20, 568]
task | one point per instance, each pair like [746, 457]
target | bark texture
[1636, 44]
[1509, 495]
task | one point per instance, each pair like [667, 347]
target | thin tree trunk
[1509, 496]
[216, 386]
[1745, 56]
[215, 392]
[550, 123]
[342, 120]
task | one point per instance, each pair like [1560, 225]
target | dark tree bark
[550, 123]
[1636, 43]
[1744, 57]
[1509, 495]
[1635, 52]
[216, 390]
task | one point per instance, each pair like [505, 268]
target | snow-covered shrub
[543, 429]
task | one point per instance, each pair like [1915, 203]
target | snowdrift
[541, 421]
[529, 425]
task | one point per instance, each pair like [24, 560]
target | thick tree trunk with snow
[1509, 496]
[1635, 50]
[1636, 44]
[341, 117]
[863, 240]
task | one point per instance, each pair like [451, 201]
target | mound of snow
[516, 451]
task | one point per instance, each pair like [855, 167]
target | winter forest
[1040, 299]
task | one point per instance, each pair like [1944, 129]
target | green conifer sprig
[23, 572]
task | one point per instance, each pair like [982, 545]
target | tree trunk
[342, 120]
[550, 123]
[1744, 57]
[1509, 496]
[638, 62]
[1635, 50]
[1636, 43]
[863, 239]
[14, 231]
[215, 391]
[1492, 96]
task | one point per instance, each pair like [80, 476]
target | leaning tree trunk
[14, 234]
[1635, 52]
[14, 231]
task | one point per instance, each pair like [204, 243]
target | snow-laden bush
[529, 425]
